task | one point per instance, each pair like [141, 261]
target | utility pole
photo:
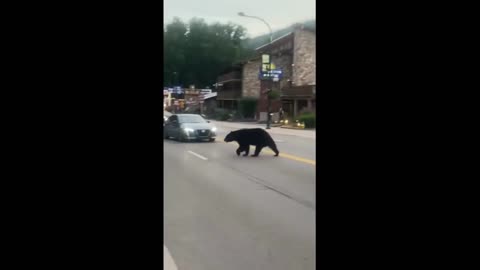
[271, 40]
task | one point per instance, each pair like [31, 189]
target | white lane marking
[197, 155]
[168, 262]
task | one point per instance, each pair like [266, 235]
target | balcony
[234, 75]
[300, 91]
[229, 94]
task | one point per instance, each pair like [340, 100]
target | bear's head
[232, 136]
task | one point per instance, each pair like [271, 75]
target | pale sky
[278, 13]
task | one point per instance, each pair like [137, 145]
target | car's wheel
[181, 138]
[165, 135]
[211, 140]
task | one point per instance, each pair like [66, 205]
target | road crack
[269, 186]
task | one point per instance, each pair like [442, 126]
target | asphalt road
[223, 212]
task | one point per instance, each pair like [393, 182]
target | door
[287, 106]
[171, 127]
[175, 127]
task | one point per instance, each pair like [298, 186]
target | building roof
[275, 40]
[257, 56]
[233, 67]
[210, 95]
[253, 58]
[297, 27]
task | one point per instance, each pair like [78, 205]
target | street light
[175, 84]
[241, 14]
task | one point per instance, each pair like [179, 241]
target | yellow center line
[292, 157]
[304, 160]
[284, 155]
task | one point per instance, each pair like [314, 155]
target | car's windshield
[191, 119]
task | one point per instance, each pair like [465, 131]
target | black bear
[251, 136]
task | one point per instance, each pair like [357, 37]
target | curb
[293, 128]
[311, 129]
[278, 129]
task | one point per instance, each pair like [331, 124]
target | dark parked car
[185, 127]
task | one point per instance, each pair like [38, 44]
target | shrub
[306, 111]
[247, 107]
[222, 114]
[308, 119]
[274, 95]
[236, 115]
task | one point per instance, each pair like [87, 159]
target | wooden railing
[229, 94]
[230, 76]
[298, 91]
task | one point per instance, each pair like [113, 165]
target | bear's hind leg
[258, 149]
[246, 148]
[275, 149]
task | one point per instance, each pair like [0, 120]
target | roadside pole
[201, 100]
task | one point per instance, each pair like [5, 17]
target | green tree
[198, 51]
[175, 41]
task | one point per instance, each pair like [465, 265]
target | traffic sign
[178, 89]
[275, 73]
[265, 58]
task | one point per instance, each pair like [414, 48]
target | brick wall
[284, 62]
[250, 81]
[304, 58]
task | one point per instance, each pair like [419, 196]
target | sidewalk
[310, 134]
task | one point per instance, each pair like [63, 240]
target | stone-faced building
[295, 54]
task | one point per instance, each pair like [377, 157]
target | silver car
[185, 127]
